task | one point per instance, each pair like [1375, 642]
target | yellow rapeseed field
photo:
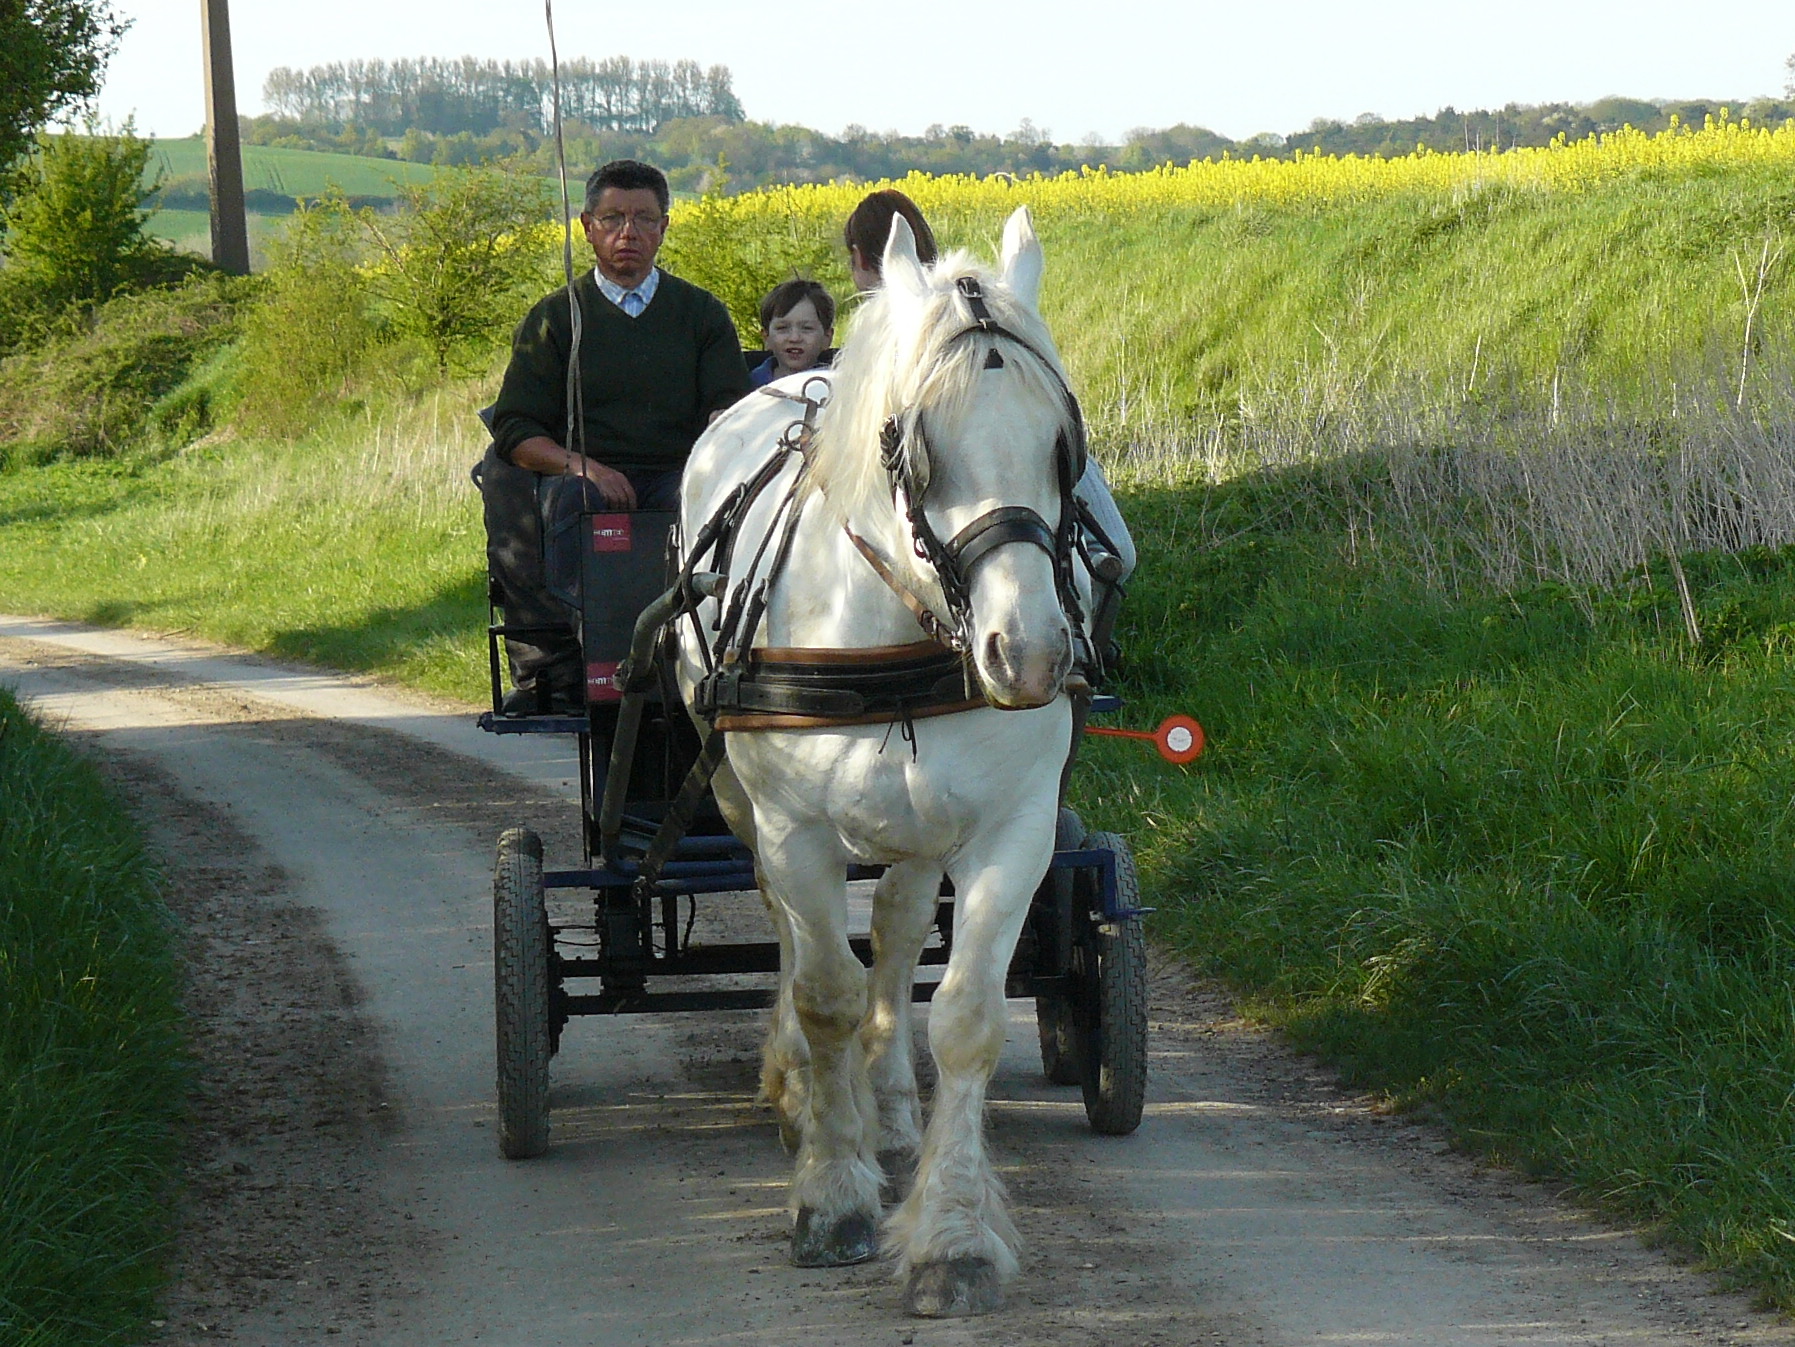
[1307, 179]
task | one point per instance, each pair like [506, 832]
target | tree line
[478, 97]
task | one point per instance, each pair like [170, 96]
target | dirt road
[330, 846]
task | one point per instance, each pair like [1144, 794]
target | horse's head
[983, 442]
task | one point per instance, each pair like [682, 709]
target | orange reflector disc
[1179, 739]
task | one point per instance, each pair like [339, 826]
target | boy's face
[797, 339]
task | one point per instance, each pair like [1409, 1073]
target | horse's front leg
[903, 914]
[953, 1236]
[835, 1187]
[785, 1058]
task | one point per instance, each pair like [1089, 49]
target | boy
[797, 324]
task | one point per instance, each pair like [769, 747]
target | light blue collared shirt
[632, 302]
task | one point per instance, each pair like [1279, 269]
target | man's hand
[543, 455]
[613, 487]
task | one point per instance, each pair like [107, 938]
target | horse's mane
[882, 371]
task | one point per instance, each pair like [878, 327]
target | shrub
[107, 385]
[738, 257]
[310, 326]
[349, 289]
[449, 267]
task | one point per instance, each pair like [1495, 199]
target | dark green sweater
[651, 382]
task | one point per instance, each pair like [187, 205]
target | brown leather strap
[926, 616]
[740, 721]
[871, 654]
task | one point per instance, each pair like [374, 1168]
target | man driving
[658, 358]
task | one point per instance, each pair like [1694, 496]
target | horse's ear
[901, 272]
[1023, 261]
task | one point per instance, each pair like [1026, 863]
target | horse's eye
[994, 359]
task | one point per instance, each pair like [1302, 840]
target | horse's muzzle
[1019, 676]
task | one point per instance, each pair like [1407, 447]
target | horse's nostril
[994, 650]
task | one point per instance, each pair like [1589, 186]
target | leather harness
[749, 688]
[813, 688]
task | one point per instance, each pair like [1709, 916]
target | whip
[576, 394]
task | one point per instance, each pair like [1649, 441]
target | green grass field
[191, 232]
[295, 173]
[1465, 524]
[288, 172]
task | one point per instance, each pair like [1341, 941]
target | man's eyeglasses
[612, 222]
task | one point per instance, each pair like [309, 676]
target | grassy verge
[360, 548]
[1522, 859]
[91, 1076]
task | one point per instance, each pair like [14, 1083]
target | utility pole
[224, 155]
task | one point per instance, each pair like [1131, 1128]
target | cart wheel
[520, 965]
[1112, 1005]
[1055, 1019]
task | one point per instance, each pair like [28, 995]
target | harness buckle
[718, 691]
[891, 445]
[974, 295]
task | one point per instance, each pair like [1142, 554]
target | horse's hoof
[897, 1170]
[850, 1239]
[960, 1286]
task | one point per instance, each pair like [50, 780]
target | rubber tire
[1056, 1019]
[1113, 1006]
[520, 967]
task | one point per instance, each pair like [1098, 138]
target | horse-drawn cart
[1081, 956]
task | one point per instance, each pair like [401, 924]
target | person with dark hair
[869, 227]
[658, 359]
[797, 323]
[627, 175]
[866, 233]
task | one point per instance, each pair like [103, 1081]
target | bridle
[904, 452]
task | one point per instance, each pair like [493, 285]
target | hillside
[273, 177]
[1238, 291]
[732, 154]
[289, 172]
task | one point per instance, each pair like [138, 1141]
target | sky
[1095, 69]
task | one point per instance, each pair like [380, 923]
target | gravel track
[330, 851]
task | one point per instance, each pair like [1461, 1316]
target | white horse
[989, 433]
